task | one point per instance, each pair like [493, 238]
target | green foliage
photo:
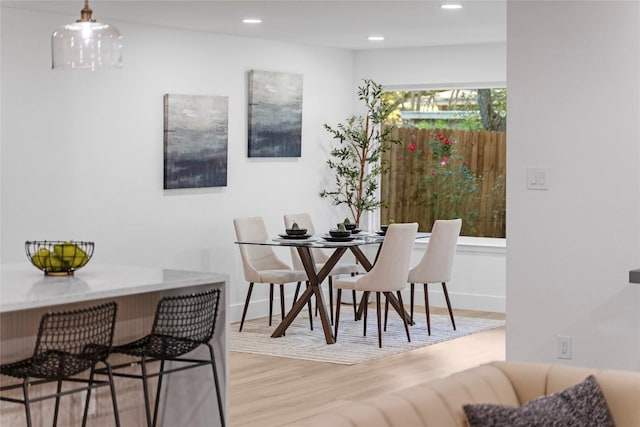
[499, 211]
[443, 100]
[357, 160]
[449, 189]
[471, 122]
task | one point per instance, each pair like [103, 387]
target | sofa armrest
[621, 389]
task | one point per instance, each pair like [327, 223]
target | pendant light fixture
[86, 44]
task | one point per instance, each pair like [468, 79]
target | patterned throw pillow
[582, 405]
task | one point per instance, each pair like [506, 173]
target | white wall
[439, 66]
[478, 281]
[574, 107]
[82, 152]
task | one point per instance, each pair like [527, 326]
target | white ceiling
[331, 23]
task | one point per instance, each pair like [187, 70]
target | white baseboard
[259, 307]
[460, 300]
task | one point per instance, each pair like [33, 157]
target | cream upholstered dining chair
[388, 275]
[320, 257]
[436, 264]
[260, 263]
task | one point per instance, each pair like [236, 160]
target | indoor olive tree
[357, 160]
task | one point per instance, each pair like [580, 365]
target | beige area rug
[351, 347]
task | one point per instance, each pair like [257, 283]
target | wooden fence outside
[484, 153]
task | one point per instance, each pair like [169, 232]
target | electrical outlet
[564, 347]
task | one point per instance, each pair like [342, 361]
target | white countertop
[22, 286]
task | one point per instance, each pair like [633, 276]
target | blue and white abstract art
[275, 114]
[195, 141]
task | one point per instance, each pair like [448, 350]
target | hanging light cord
[85, 13]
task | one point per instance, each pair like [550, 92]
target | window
[450, 161]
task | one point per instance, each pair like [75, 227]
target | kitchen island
[26, 294]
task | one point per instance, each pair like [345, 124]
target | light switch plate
[538, 178]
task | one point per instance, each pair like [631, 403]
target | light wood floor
[271, 391]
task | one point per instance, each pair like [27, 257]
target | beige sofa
[439, 403]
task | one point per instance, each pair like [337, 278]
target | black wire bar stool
[69, 343]
[181, 324]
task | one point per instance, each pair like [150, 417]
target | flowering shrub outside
[449, 189]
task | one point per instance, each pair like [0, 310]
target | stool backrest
[192, 317]
[73, 341]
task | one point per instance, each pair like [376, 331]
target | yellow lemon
[54, 263]
[71, 254]
[40, 258]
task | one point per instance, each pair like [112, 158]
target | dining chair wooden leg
[295, 295]
[270, 302]
[446, 296]
[355, 305]
[338, 301]
[331, 298]
[246, 305]
[282, 301]
[379, 316]
[363, 304]
[426, 308]
[412, 300]
[403, 315]
[365, 296]
[310, 312]
[386, 312]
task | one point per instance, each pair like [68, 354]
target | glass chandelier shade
[86, 44]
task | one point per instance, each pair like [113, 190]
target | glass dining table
[316, 277]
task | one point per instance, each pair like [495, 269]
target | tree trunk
[490, 119]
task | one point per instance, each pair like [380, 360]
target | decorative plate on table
[355, 231]
[294, 236]
[381, 233]
[328, 238]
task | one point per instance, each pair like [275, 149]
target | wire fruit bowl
[58, 257]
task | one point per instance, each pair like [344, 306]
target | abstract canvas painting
[195, 141]
[275, 114]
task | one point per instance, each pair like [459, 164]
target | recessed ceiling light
[376, 38]
[451, 6]
[252, 21]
